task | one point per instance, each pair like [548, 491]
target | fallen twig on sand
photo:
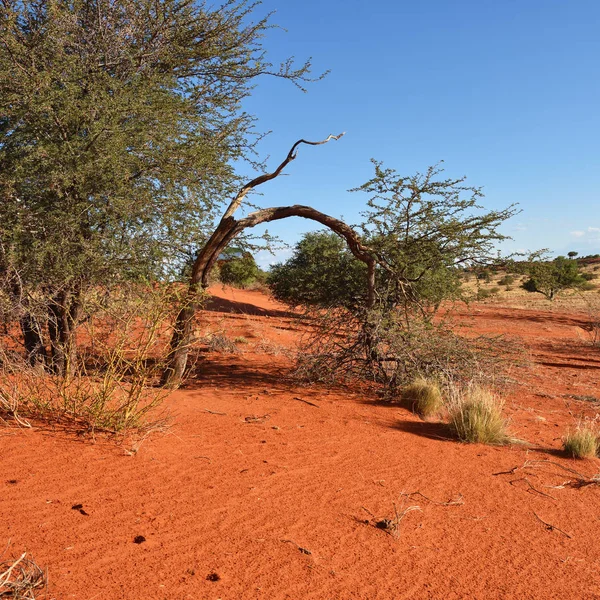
[551, 527]
[580, 480]
[306, 402]
[20, 578]
[458, 501]
[303, 550]
[257, 418]
[531, 488]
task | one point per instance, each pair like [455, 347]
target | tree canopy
[119, 126]
[420, 229]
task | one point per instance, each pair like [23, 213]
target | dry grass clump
[423, 396]
[219, 342]
[581, 442]
[475, 415]
[21, 578]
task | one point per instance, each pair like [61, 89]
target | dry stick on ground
[306, 402]
[580, 481]
[551, 527]
[303, 550]
[458, 501]
[21, 578]
[531, 487]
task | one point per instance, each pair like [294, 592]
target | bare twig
[306, 402]
[458, 501]
[551, 527]
[303, 550]
[20, 578]
[531, 488]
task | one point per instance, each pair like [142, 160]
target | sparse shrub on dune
[423, 397]
[218, 342]
[111, 385]
[581, 442]
[475, 415]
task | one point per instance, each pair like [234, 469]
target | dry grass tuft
[581, 442]
[475, 415]
[21, 578]
[218, 342]
[423, 396]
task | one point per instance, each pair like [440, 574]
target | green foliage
[322, 272]
[239, 268]
[506, 280]
[420, 229]
[120, 123]
[423, 228]
[550, 277]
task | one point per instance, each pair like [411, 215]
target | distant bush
[506, 280]
[552, 276]
[484, 275]
[239, 268]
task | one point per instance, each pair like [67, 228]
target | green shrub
[239, 268]
[475, 416]
[506, 280]
[423, 397]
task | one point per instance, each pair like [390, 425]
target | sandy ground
[264, 489]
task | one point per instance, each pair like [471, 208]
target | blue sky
[506, 93]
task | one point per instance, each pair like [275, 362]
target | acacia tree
[119, 124]
[549, 277]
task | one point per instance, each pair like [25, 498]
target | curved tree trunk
[228, 229]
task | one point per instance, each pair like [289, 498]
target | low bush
[475, 415]
[112, 385]
[506, 280]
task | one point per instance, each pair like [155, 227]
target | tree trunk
[33, 341]
[63, 313]
[227, 230]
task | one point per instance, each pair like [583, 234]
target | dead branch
[306, 402]
[243, 192]
[20, 578]
[551, 527]
[458, 501]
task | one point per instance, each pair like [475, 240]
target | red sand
[269, 498]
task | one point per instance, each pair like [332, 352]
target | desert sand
[264, 489]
